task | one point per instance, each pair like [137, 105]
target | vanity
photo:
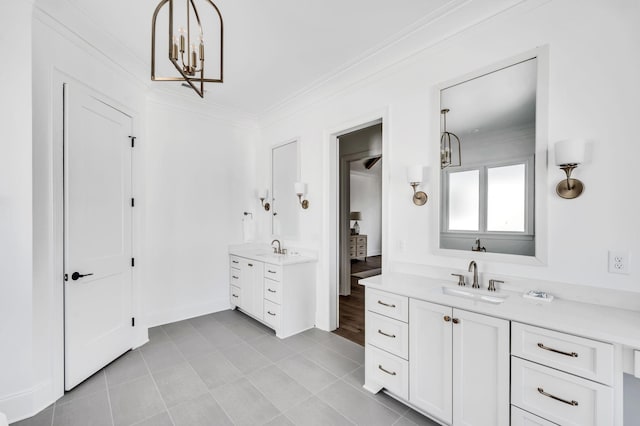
[472, 357]
[277, 290]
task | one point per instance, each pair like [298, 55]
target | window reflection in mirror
[489, 196]
[284, 203]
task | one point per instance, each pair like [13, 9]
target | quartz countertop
[597, 322]
[267, 256]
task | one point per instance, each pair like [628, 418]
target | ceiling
[274, 49]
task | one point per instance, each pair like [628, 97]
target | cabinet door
[430, 358]
[480, 370]
[252, 288]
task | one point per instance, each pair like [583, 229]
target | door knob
[77, 275]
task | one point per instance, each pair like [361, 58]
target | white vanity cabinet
[456, 368]
[459, 364]
[281, 296]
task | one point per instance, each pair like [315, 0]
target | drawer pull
[233, 276]
[546, 348]
[572, 403]
[271, 313]
[455, 320]
[234, 261]
[393, 336]
[386, 304]
[391, 373]
[235, 295]
[447, 318]
[271, 291]
[270, 271]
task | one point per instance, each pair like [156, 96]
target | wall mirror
[284, 201]
[488, 162]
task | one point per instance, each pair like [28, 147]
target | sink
[473, 295]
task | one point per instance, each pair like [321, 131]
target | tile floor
[226, 369]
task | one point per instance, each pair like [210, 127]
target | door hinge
[133, 262]
[133, 141]
[133, 202]
[133, 322]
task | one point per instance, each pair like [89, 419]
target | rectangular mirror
[488, 161]
[284, 204]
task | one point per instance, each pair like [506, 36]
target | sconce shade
[570, 151]
[263, 194]
[415, 174]
[300, 188]
[355, 216]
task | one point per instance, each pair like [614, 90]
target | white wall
[582, 82]
[15, 209]
[199, 181]
[366, 197]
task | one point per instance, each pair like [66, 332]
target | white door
[480, 370]
[430, 354]
[98, 246]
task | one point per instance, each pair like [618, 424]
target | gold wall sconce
[301, 190]
[264, 195]
[186, 47]
[415, 175]
[569, 153]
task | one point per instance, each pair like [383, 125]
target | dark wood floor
[351, 319]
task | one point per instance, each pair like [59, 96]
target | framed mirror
[284, 202]
[488, 161]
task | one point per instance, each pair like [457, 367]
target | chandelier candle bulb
[201, 51]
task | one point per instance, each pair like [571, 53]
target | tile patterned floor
[227, 369]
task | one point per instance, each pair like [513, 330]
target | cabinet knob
[447, 318]
[455, 320]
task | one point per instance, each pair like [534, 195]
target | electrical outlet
[619, 262]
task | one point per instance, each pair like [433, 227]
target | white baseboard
[374, 253]
[185, 312]
[27, 403]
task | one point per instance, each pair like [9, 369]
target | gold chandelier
[449, 145]
[186, 49]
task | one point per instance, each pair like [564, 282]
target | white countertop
[267, 256]
[597, 322]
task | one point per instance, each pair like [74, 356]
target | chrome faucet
[473, 267]
[277, 250]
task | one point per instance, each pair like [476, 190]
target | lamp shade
[300, 188]
[263, 193]
[570, 151]
[415, 174]
[355, 216]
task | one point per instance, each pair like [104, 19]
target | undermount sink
[472, 295]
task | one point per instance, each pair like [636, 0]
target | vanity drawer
[576, 355]
[273, 272]
[524, 418]
[273, 291]
[234, 261]
[560, 397]
[362, 253]
[388, 334]
[272, 314]
[387, 304]
[361, 240]
[234, 277]
[387, 370]
[234, 294]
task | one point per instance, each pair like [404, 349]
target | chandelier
[449, 145]
[186, 43]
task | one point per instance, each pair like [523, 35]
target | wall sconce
[263, 195]
[301, 189]
[569, 153]
[414, 176]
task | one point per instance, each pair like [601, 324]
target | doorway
[98, 262]
[360, 254]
